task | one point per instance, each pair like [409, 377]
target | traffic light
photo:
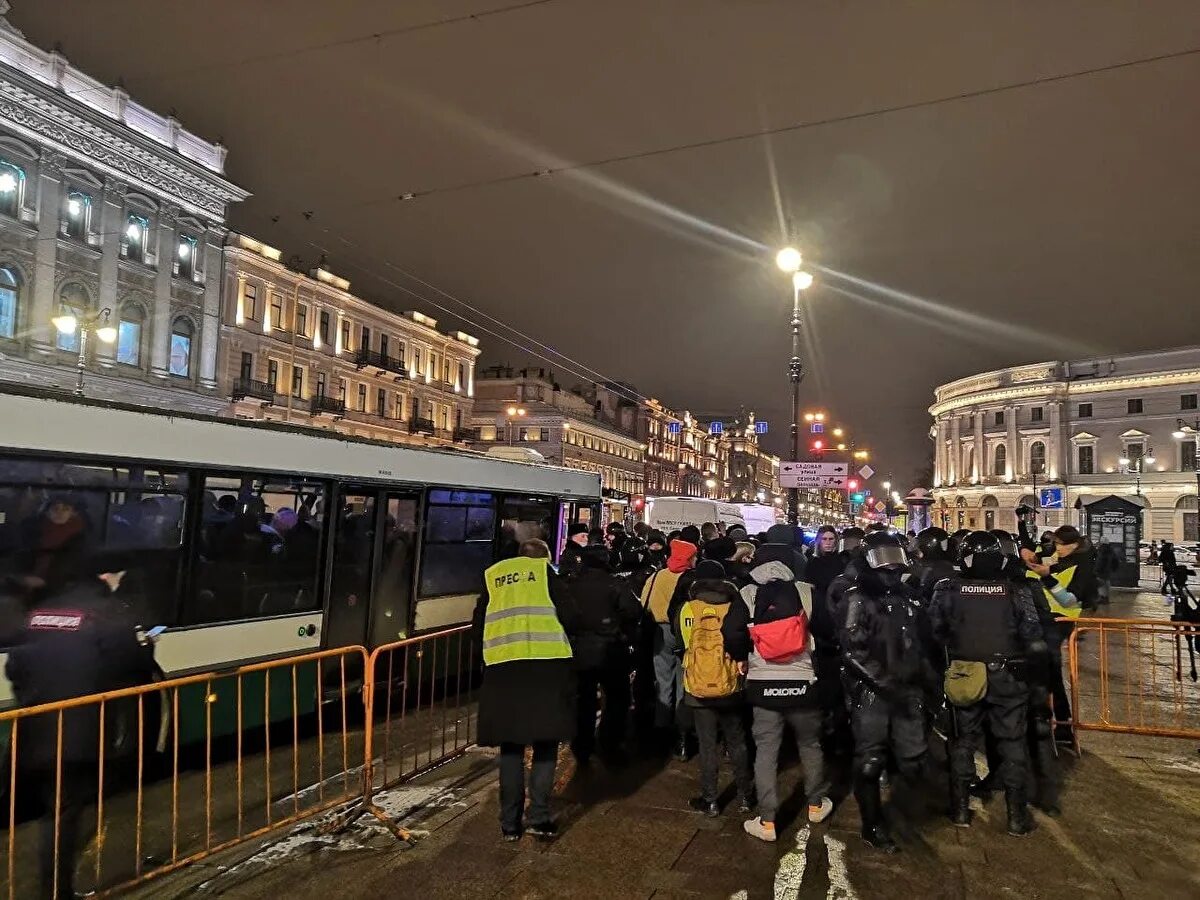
[818, 446]
[852, 484]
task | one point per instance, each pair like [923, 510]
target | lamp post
[1137, 466]
[513, 412]
[788, 259]
[1182, 431]
[91, 323]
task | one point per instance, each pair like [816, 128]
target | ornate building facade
[112, 216]
[1125, 425]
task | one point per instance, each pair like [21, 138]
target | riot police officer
[990, 630]
[933, 562]
[887, 672]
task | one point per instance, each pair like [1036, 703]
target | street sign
[817, 428]
[760, 427]
[674, 427]
[880, 506]
[866, 472]
[867, 492]
[716, 428]
[813, 474]
[1051, 498]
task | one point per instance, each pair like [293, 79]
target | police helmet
[885, 551]
[981, 555]
[852, 537]
[933, 543]
[1008, 543]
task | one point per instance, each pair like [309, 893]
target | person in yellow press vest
[1069, 581]
[522, 622]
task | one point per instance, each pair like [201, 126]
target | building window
[135, 238]
[346, 335]
[185, 257]
[383, 345]
[301, 320]
[1134, 407]
[1000, 418]
[1087, 460]
[77, 215]
[298, 382]
[364, 342]
[273, 374]
[324, 327]
[320, 384]
[9, 302]
[381, 402]
[72, 301]
[277, 310]
[342, 390]
[12, 188]
[1085, 410]
[1035, 414]
[1187, 401]
[1134, 452]
[362, 398]
[416, 361]
[129, 336]
[1187, 456]
[1037, 458]
[246, 373]
[250, 301]
[400, 404]
[181, 348]
[1000, 460]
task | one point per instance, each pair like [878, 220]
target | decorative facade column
[1055, 462]
[979, 455]
[955, 448]
[939, 453]
[210, 329]
[49, 198]
[160, 336]
[112, 205]
[1016, 459]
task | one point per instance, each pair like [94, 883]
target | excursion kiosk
[1117, 521]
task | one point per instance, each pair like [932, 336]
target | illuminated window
[1037, 458]
[77, 215]
[10, 299]
[135, 237]
[999, 460]
[12, 188]
[129, 336]
[184, 265]
[181, 348]
[1086, 460]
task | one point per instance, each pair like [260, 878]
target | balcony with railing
[381, 362]
[245, 388]
[328, 406]
[468, 435]
[424, 426]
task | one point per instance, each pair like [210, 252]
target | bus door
[355, 532]
[586, 512]
[391, 600]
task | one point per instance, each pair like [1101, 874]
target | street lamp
[91, 323]
[789, 260]
[1182, 431]
[1137, 466]
[513, 412]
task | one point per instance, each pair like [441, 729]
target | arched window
[181, 348]
[12, 188]
[10, 301]
[77, 215]
[1037, 458]
[1000, 460]
[72, 301]
[129, 335]
[135, 238]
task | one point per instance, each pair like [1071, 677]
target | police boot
[1020, 822]
[870, 807]
[960, 805]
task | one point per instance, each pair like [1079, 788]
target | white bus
[255, 540]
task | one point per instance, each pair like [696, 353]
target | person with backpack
[656, 598]
[771, 625]
[712, 683]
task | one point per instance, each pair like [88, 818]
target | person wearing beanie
[658, 601]
[691, 534]
[577, 539]
[724, 550]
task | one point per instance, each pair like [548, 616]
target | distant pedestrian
[656, 598]
[528, 697]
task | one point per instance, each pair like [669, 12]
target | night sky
[1002, 228]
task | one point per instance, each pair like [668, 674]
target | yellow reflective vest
[520, 622]
[1064, 581]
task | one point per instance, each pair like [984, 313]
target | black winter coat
[608, 616]
[531, 700]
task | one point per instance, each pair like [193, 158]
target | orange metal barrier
[180, 769]
[420, 696]
[1140, 680]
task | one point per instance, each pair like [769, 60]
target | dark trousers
[1058, 689]
[612, 682]
[78, 790]
[512, 783]
[1041, 746]
[884, 727]
[726, 722]
[827, 662]
[1003, 711]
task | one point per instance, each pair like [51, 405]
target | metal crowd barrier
[181, 769]
[1142, 680]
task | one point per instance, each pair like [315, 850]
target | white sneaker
[756, 827]
[820, 812]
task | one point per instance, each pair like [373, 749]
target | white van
[669, 514]
[759, 516]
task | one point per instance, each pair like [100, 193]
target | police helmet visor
[1009, 546]
[886, 557]
[851, 542]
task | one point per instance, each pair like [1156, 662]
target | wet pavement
[1130, 829]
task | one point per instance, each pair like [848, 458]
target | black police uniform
[992, 621]
[933, 561]
[76, 643]
[887, 674]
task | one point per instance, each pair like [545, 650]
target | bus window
[392, 600]
[459, 529]
[259, 548]
[62, 521]
[523, 519]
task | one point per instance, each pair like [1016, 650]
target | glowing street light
[96, 323]
[788, 259]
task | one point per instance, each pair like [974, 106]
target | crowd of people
[870, 647]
